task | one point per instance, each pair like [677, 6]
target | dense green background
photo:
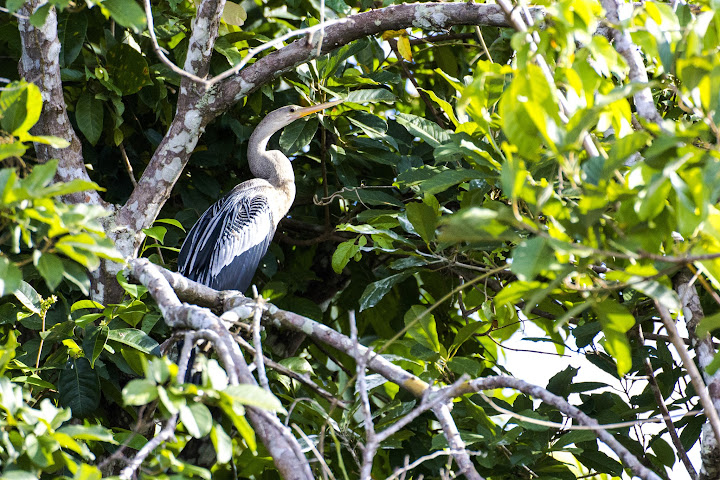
[444, 216]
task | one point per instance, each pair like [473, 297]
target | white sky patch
[538, 368]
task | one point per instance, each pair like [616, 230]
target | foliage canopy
[448, 202]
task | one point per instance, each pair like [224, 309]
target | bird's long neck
[272, 166]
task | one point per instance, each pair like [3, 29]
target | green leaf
[448, 178]
[28, 296]
[72, 28]
[139, 391]
[254, 396]
[55, 142]
[127, 68]
[298, 135]
[371, 95]
[13, 149]
[466, 333]
[375, 291]
[171, 221]
[135, 290]
[40, 176]
[127, 13]
[78, 387]
[373, 126]
[94, 342]
[81, 304]
[10, 276]
[158, 233]
[528, 112]
[136, 339]
[444, 105]
[429, 131]
[531, 257]
[73, 186]
[616, 321]
[35, 381]
[20, 107]
[76, 275]
[222, 443]
[89, 432]
[422, 327]
[197, 419]
[50, 267]
[600, 462]
[37, 19]
[89, 116]
[423, 219]
[652, 199]
[342, 255]
[474, 224]
[708, 324]
[14, 5]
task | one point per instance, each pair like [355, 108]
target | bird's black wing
[226, 245]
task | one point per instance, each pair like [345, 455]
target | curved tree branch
[283, 447]
[427, 16]
[196, 110]
[235, 302]
[489, 383]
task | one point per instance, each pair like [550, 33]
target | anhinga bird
[225, 246]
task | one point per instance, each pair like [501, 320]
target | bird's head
[286, 115]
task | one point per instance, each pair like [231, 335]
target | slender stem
[692, 370]
[660, 401]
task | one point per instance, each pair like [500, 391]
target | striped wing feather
[226, 244]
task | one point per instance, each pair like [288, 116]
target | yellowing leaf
[404, 48]
[234, 14]
[388, 34]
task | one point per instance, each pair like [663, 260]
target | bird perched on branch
[226, 244]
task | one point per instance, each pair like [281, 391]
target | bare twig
[617, 11]
[490, 383]
[304, 379]
[326, 470]
[14, 14]
[660, 401]
[409, 75]
[361, 363]
[128, 166]
[160, 52]
[605, 426]
[259, 364]
[283, 447]
[167, 432]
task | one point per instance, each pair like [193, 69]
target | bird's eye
[292, 110]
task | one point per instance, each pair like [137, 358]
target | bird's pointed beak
[304, 112]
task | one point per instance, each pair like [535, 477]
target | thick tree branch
[204, 32]
[40, 64]
[235, 304]
[705, 349]
[618, 12]
[283, 447]
[427, 16]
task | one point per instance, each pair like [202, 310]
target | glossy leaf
[78, 387]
